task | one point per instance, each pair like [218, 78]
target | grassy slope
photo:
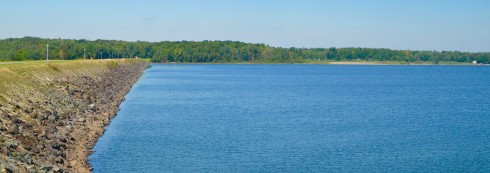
[31, 79]
[23, 74]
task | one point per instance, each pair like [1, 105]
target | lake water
[301, 118]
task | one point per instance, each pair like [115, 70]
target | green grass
[148, 60]
[21, 76]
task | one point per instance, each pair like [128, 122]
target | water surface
[301, 118]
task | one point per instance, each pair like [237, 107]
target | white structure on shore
[475, 62]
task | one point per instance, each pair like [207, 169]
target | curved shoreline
[52, 114]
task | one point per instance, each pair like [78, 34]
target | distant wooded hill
[33, 48]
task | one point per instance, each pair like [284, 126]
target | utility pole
[47, 52]
[83, 54]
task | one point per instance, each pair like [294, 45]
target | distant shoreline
[306, 62]
[399, 63]
[34, 48]
[337, 63]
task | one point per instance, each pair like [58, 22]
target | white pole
[47, 52]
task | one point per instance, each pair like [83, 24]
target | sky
[441, 25]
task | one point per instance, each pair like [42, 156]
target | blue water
[301, 118]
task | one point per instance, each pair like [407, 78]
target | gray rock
[3, 165]
[14, 130]
[11, 167]
[42, 134]
[36, 150]
[56, 146]
[27, 159]
[46, 167]
[8, 144]
[55, 153]
[51, 118]
[68, 128]
[81, 120]
[56, 168]
[12, 145]
[50, 136]
[59, 159]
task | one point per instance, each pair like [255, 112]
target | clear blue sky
[462, 25]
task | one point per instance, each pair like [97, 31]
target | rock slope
[51, 114]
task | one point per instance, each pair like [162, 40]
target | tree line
[33, 48]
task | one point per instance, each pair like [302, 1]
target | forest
[33, 48]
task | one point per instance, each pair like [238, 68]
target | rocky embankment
[51, 114]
